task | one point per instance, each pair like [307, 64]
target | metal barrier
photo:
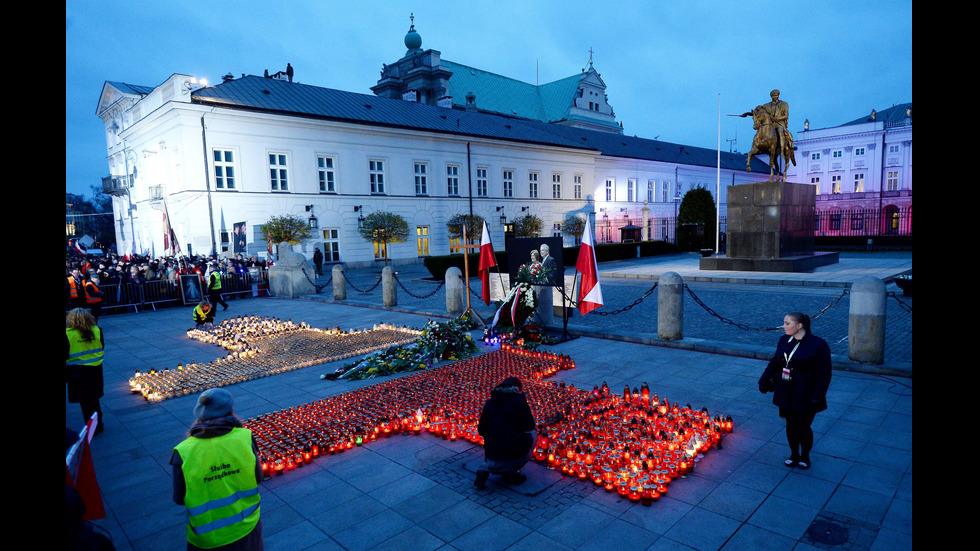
[168, 293]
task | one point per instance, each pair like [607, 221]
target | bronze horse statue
[769, 139]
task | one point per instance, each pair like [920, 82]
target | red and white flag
[487, 261]
[169, 237]
[589, 292]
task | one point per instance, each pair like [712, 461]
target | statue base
[801, 263]
[770, 229]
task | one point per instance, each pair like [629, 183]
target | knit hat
[510, 382]
[214, 403]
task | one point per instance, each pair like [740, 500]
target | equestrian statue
[772, 137]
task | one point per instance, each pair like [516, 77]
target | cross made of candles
[260, 347]
[634, 443]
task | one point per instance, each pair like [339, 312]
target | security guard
[75, 292]
[93, 296]
[203, 313]
[83, 363]
[214, 286]
[216, 473]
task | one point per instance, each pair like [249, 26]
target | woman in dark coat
[508, 430]
[798, 376]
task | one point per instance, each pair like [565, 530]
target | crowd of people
[113, 269]
[86, 275]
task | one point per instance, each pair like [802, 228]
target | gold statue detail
[772, 137]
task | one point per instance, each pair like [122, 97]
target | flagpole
[718, 186]
[466, 267]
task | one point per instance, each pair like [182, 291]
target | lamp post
[314, 223]
[360, 217]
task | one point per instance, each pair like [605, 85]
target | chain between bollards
[373, 287]
[400, 284]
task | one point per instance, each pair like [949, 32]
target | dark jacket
[505, 424]
[810, 371]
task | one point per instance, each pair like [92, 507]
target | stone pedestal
[291, 276]
[770, 228]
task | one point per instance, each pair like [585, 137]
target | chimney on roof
[227, 77]
[470, 101]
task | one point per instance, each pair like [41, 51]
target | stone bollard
[339, 283]
[866, 322]
[388, 287]
[670, 307]
[455, 291]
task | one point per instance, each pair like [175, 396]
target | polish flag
[589, 292]
[487, 261]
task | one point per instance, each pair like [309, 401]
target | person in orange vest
[83, 363]
[93, 296]
[74, 289]
[216, 476]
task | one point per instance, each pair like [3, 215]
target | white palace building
[435, 139]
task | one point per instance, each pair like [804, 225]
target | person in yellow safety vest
[216, 476]
[93, 296]
[83, 363]
[203, 313]
[214, 286]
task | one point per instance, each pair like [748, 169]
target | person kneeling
[508, 430]
[203, 313]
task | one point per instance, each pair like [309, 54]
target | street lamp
[503, 217]
[360, 218]
[314, 223]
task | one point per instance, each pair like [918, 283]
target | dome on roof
[413, 40]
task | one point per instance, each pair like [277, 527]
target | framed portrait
[528, 250]
[191, 288]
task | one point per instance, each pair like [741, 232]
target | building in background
[862, 170]
[213, 160]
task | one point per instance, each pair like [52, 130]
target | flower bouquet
[437, 342]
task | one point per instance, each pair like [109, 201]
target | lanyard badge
[787, 374]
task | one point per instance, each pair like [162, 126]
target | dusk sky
[665, 64]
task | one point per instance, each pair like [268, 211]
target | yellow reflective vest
[84, 352]
[215, 281]
[222, 496]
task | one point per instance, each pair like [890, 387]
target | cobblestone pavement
[739, 317]
[415, 492]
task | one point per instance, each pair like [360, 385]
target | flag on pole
[487, 261]
[80, 472]
[589, 292]
[169, 237]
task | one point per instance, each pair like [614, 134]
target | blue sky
[666, 64]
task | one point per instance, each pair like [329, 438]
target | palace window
[452, 179]
[325, 174]
[278, 172]
[858, 183]
[481, 181]
[421, 179]
[224, 169]
[331, 245]
[422, 239]
[376, 174]
[508, 180]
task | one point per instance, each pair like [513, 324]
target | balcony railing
[117, 185]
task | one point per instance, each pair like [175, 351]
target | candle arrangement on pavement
[634, 443]
[263, 346]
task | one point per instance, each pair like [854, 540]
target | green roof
[499, 94]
